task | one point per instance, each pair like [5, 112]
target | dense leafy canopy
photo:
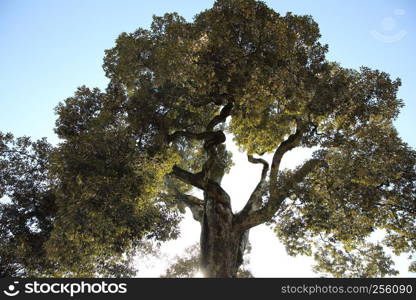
[82, 207]
[58, 226]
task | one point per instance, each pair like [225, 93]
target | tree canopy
[129, 157]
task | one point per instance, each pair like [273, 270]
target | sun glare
[199, 274]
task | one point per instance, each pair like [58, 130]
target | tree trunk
[222, 245]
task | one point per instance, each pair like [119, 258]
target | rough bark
[219, 239]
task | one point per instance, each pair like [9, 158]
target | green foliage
[77, 209]
[185, 266]
[367, 260]
[367, 185]
[109, 178]
[28, 205]
[83, 207]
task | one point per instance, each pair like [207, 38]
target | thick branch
[212, 168]
[195, 180]
[266, 213]
[209, 133]
[225, 112]
[195, 204]
[292, 142]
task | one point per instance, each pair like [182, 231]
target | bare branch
[255, 200]
[209, 133]
[265, 213]
[290, 143]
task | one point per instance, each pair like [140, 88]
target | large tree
[131, 156]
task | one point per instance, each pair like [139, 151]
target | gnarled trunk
[222, 244]
[222, 241]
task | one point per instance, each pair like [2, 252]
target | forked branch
[255, 200]
[195, 180]
[265, 213]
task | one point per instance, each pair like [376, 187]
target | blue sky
[48, 48]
